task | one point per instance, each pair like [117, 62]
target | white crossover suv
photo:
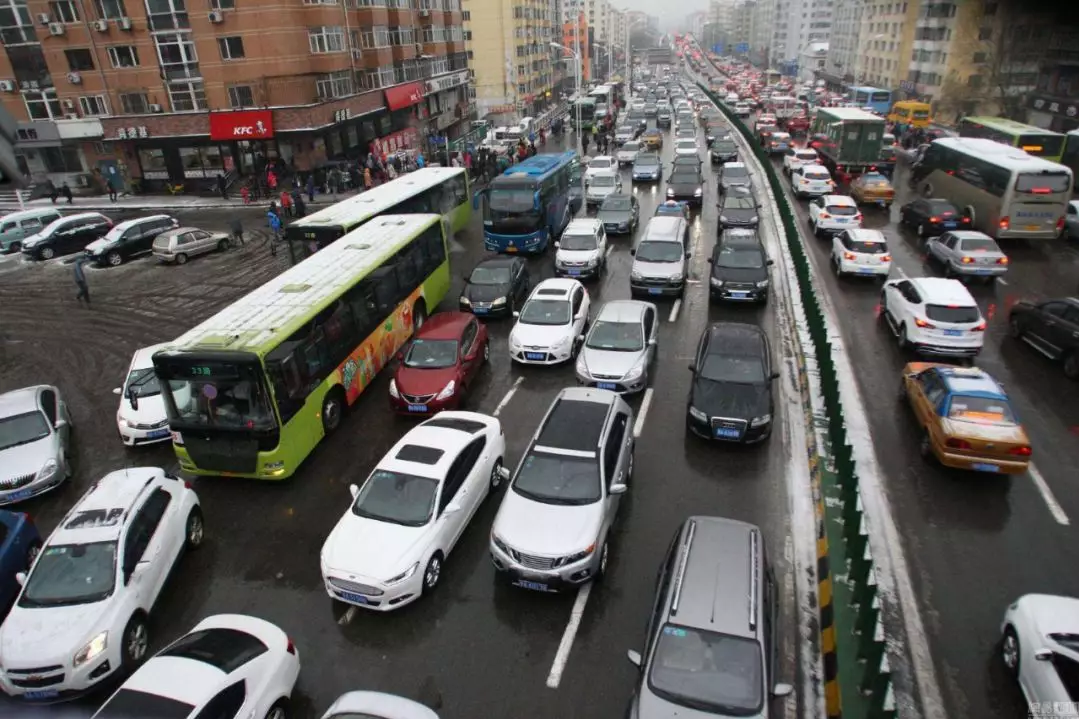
[933, 316]
[861, 252]
[833, 213]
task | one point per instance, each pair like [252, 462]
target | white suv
[799, 157]
[83, 612]
[833, 213]
[933, 316]
[811, 180]
[582, 249]
[861, 252]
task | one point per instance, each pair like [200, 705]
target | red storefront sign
[404, 140]
[241, 125]
[404, 95]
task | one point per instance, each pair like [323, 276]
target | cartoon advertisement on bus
[378, 349]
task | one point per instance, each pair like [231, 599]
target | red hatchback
[436, 369]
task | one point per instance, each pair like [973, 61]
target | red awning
[404, 95]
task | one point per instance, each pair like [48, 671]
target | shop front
[59, 151]
[1056, 114]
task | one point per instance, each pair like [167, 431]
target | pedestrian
[335, 182]
[271, 180]
[80, 281]
[368, 181]
[391, 171]
[298, 206]
[286, 203]
[275, 230]
[111, 182]
[420, 162]
[238, 230]
[311, 187]
[222, 186]
[66, 192]
[245, 193]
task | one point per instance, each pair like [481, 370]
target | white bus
[1008, 193]
[604, 96]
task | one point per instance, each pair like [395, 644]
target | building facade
[886, 37]
[151, 92]
[844, 45]
[1054, 103]
[575, 37]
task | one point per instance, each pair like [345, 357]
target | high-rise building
[886, 38]
[844, 45]
[760, 45]
[153, 91]
[511, 55]
[742, 27]
[575, 38]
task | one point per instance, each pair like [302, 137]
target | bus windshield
[1043, 183]
[204, 392]
[306, 241]
[512, 211]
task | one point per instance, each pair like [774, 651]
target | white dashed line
[1047, 495]
[509, 395]
[1002, 281]
[674, 310]
[348, 616]
[607, 254]
[564, 646]
[638, 426]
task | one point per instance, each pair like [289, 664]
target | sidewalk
[162, 202]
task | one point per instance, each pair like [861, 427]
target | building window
[223, 4]
[232, 48]
[975, 81]
[124, 56]
[319, 2]
[64, 11]
[62, 159]
[402, 36]
[110, 9]
[80, 59]
[94, 105]
[134, 103]
[380, 77]
[42, 104]
[168, 14]
[177, 55]
[241, 96]
[986, 33]
[334, 84]
[16, 24]
[324, 39]
[187, 96]
[376, 36]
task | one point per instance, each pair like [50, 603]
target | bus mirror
[476, 200]
[536, 201]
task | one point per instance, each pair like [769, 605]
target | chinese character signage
[1054, 107]
[132, 133]
[445, 82]
[404, 140]
[342, 115]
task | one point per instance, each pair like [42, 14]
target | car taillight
[1060, 224]
[980, 327]
[1021, 451]
[291, 647]
[886, 258]
[919, 322]
[1005, 222]
[858, 217]
[187, 485]
[849, 256]
[1002, 261]
[824, 216]
[966, 220]
[934, 220]
[967, 260]
[953, 443]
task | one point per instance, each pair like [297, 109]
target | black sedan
[686, 183]
[730, 397]
[932, 217]
[739, 268]
[723, 150]
[496, 286]
[620, 214]
[738, 208]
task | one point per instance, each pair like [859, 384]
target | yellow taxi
[967, 420]
[872, 188]
[652, 139]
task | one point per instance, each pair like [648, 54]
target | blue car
[19, 545]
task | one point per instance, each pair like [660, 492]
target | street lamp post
[577, 94]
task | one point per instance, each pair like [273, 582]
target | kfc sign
[241, 125]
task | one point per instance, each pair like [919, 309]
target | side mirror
[775, 375]
[634, 657]
[354, 490]
[20, 577]
[60, 423]
[117, 391]
[693, 368]
[771, 262]
[451, 508]
[557, 244]
[687, 254]
[633, 252]
[652, 342]
[516, 313]
[1043, 655]
[782, 690]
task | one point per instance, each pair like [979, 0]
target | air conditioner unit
[72, 116]
[7, 86]
[74, 78]
[69, 104]
[216, 16]
[101, 25]
[425, 13]
[56, 28]
[156, 108]
[44, 18]
[125, 23]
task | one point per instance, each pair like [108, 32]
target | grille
[607, 376]
[654, 281]
[156, 425]
[534, 562]
[481, 305]
[36, 682]
[16, 482]
[417, 398]
[355, 587]
[740, 286]
[574, 264]
[36, 670]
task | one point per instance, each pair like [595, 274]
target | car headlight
[447, 391]
[636, 276]
[515, 343]
[563, 344]
[759, 421]
[48, 469]
[697, 414]
[466, 301]
[404, 575]
[723, 218]
[393, 389]
[93, 649]
[497, 541]
[716, 282]
[635, 371]
[699, 191]
[498, 302]
[677, 277]
[593, 261]
[762, 284]
[578, 556]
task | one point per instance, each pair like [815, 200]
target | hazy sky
[676, 11]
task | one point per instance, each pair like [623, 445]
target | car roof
[608, 158]
[449, 441]
[733, 165]
[862, 234]
[969, 235]
[740, 236]
[737, 338]
[99, 515]
[564, 284]
[808, 168]
[143, 358]
[82, 216]
[576, 420]
[444, 325]
[20, 401]
[180, 679]
[181, 230]
[139, 220]
[586, 225]
[944, 291]
[839, 200]
[623, 311]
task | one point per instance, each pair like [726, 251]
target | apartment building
[1054, 103]
[182, 91]
[844, 45]
[742, 25]
[575, 37]
[510, 58]
[760, 43]
[886, 40]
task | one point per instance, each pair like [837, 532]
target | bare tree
[1006, 53]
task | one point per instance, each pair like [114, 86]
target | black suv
[66, 235]
[739, 268]
[129, 239]
[1052, 328]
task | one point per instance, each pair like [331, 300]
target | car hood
[44, 636]
[740, 274]
[685, 184]
[32, 240]
[597, 191]
[485, 293]
[627, 154]
[413, 380]
[657, 269]
[609, 362]
[369, 548]
[615, 216]
[151, 409]
[576, 255]
[551, 530]
[983, 432]
[739, 215]
[742, 181]
[728, 399]
[27, 458]
[540, 335]
[650, 706]
[638, 167]
[100, 245]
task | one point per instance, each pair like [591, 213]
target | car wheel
[47, 253]
[135, 641]
[333, 410]
[1071, 365]
[901, 337]
[1009, 651]
[925, 447]
[114, 258]
[496, 474]
[487, 351]
[432, 573]
[419, 316]
[14, 247]
[838, 266]
[604, 558]
[277, 711]
[195, 529]
[223, 245]
[31, 553]
[181, 259]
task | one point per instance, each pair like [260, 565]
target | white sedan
[141, 418]
[389, 547]
[376, 705]
[227, 665]
[1040, 647]
[552, 323]
[686, 148]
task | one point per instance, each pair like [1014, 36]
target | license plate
[511, 248]
[41, 694]
[979, 467]
[573, 273]
[536, 586]
[981, 272]
[354, 598]
[740, 295]
[417, 408]
[158, 433]
[950, 225]
[653, 290]
[865, 271]
[21, 494]
[725, 433]
[480, 310]
[606, 385]
[953, 333]
[842, 221]
[1033, 228]
[534, 355]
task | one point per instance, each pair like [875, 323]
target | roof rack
[754, 577]
[680, 576]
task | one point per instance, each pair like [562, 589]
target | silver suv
[551, 531]
[711, 643]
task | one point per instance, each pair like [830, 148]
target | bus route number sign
[201, 371]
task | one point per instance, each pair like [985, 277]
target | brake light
[953, 443]
[858, 217]
[934, 219]
[187, 485]
[1002, 261]
[849, 256]
[1005, 222]
[1060, 224]
[967, 260]
[886, 258]
[291, 648]
[919, 322]
[980, 327]
[947, 214]
[824, 216]
[966, 220]
[1022, 451]
[1040, 191]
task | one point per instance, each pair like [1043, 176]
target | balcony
[182, 71]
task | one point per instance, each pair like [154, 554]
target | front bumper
[579, 272]
[647, 287]
[717, 159]
[738, 293]
[376, 596]
[733, 431]
[140, 435]
[60, 681]
[646, 176]
[525, 244]
[542, 580]
[615, 384]
[485, 309]
[422, 406]
[540, 355]
[692, 200]
[32, 488]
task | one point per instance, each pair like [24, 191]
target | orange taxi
[872, 189]
[967, 420]
[652, 139]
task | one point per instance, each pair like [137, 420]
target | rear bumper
[981, 464]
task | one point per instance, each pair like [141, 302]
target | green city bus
[442, 190]
[1035, 141]
[252, 390]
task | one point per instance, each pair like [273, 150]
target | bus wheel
[419, 316]
[333, 410]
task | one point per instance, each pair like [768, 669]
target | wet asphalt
[474, 648]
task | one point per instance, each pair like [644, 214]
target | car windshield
[739, 369]
[557, 479]
[23, 429]
[1043, 183]
[733, 201]
[577, 241]
[724, 145]
[841, 210]
[740, 257]
[143, 383]
[687, 144]
[71, 574]
[489, 276]
[806, 156]
[396, 498]
[600, 163]
[735, 173]
[631, 147]
[616, 336]
[942, 208]
[819, 175]
[603, 180]
[512, 201]
[649, 159]
[953, 313]
[616, 204]
[980, 245]
[545, 312]
[431, 354]
[708, 672]
[659, 252]
[984, 410]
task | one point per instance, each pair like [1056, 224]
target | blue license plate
[536, 586]
[841, 220]
[417, 408]
[982, 272]
[480, 310]
[606, 385]
[534, 355]
[39, 694]
[653, 290]
[725, 433]
[979, 467]
[20, 495]
[354, 598]
[950, 225]
[158, 433]
[739, 295]
[864, 271]
[573, 273]
[953, 333]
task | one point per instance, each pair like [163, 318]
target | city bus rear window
[1043, 183]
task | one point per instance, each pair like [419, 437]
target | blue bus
[528, 205]
[878, 100]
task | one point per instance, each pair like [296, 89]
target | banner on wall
[406, 139]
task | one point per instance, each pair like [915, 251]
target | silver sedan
[968, 254]
[35, 428]
[618, 352]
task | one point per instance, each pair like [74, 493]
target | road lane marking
[1002, 281]
[564, 646]
[1047, 495]
[674, 310]
[509, 395]
[347, 617]
[607, 254]
[638, 426]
